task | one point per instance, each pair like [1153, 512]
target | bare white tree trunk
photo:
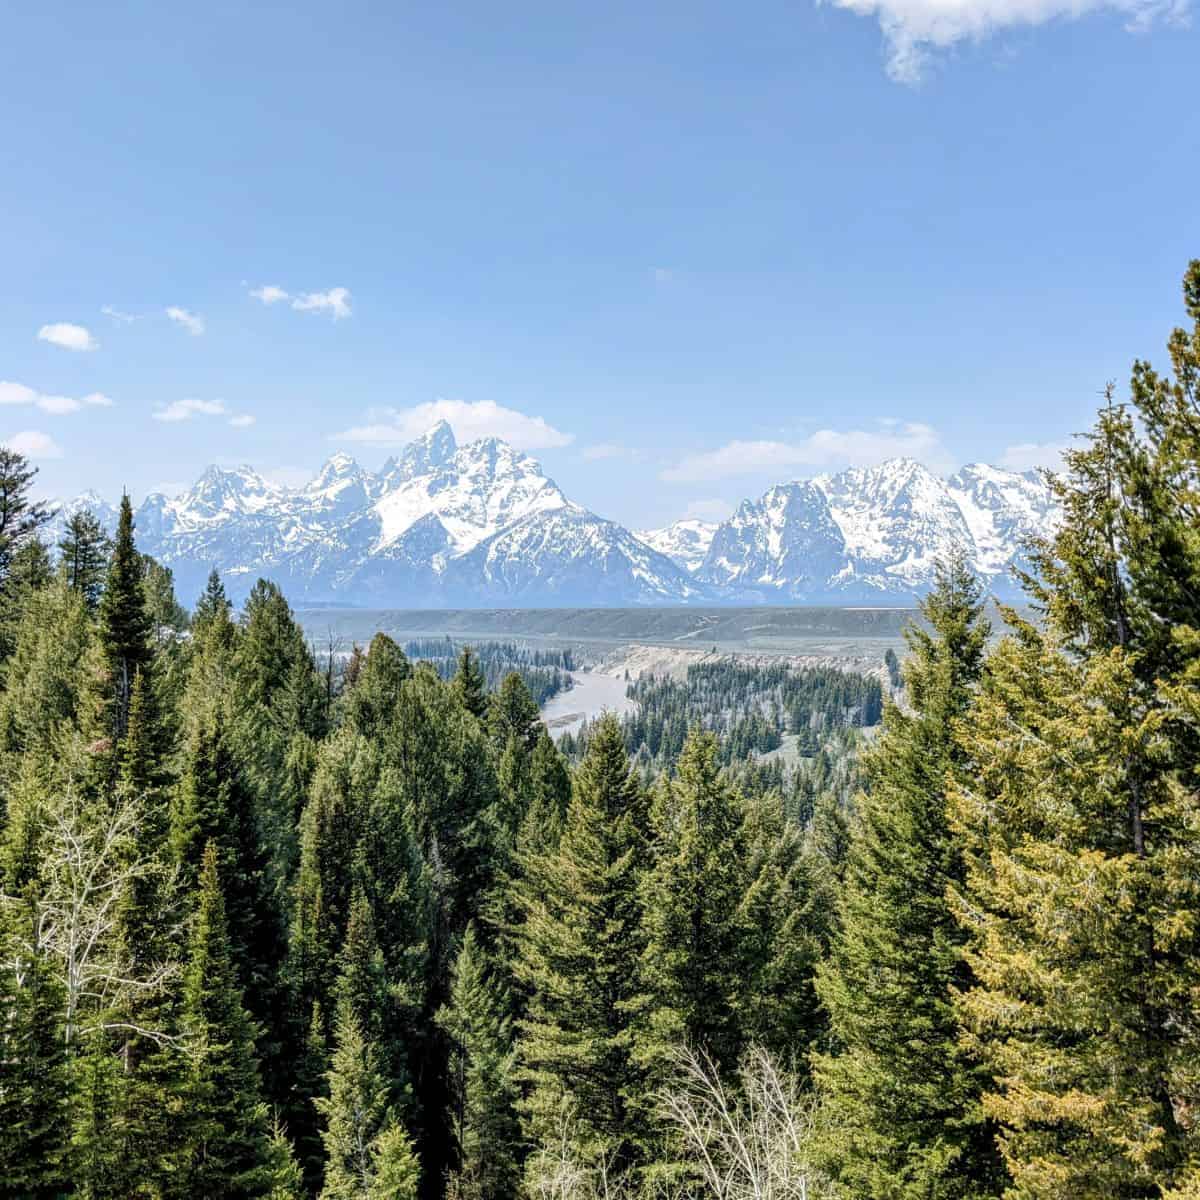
[750, 1142]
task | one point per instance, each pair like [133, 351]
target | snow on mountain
[481, 524]
[786, 544]
[875, 533]
[684, 542]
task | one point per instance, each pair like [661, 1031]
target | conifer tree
[904, 1100]
[20, 520]
[83, 551]
[483, 1077]
[1079, 820]
[366, 1151]
[470, 686]
[34, 1096]
[226, 1135]
[692, 971]
[549, 795]
[213, 607]
[124, 627]
[581, 933]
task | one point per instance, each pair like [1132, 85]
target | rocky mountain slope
[482, 524]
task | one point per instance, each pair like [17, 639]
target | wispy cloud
[21, 394]
[34, 444]
[469, 420]
[68, 336]
[118, 316]
[189, 321]
[1026, 456]
[914, 30]
[185, 410]
[824, 448]
[335, 301]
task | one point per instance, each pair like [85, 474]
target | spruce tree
[366, 1151]
[469, 683]
[34, 1095]
[903, 1098]
[580, 936]
[1079, 820]
[691, 968]
[83, 551]
[124, 627]
[483, 1080]
[226, 1135]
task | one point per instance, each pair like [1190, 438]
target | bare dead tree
[90, 862]
[749, 1142]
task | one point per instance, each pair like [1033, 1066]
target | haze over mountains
[481, 525]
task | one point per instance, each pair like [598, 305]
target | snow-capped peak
[684, 542]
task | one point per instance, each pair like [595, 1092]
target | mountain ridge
[482, 525]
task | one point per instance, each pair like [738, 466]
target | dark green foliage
[34, 1097]
[578, 943]
[483, 1079]
[692, 967]
[904, 1100]
[24, 563]
[125, 628]
[83, 551]
[470, 686]
[225, 1133]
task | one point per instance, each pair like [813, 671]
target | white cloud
[190, 321]
[16, 393]
[121, 318]
[1026, 456]
[663, 274]
[915, 29]
[824, 448]
[185, 410]
[335, 301]
[34, 444]
[68, 336]
[269, 293]
[605, 450]
[484, 418]
[19, 393]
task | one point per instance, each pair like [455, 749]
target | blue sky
[679, 251]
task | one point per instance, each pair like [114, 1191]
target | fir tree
[1079, 820]
[691, 966]
[470, 686]
[34, 1096]
[580, 935]
[83, 551]
[903, 1099]
[213, 607]
[124, 627]
[483, 1077]
[226, 1134]
[366, 1151]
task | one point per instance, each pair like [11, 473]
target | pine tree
[1079, 820]
[20, 518]
[692, 971]
[366, 1151]
[124, 627]
[83, 552]
[34, 1096]
[470, 686]
[580, 937]
[903, 1099]
[483, 1077]
[213, 607]
[226, 1133]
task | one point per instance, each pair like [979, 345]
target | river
[591, 694]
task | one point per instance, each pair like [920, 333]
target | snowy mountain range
[482, 525]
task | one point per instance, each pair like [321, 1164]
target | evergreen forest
[275, 928]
